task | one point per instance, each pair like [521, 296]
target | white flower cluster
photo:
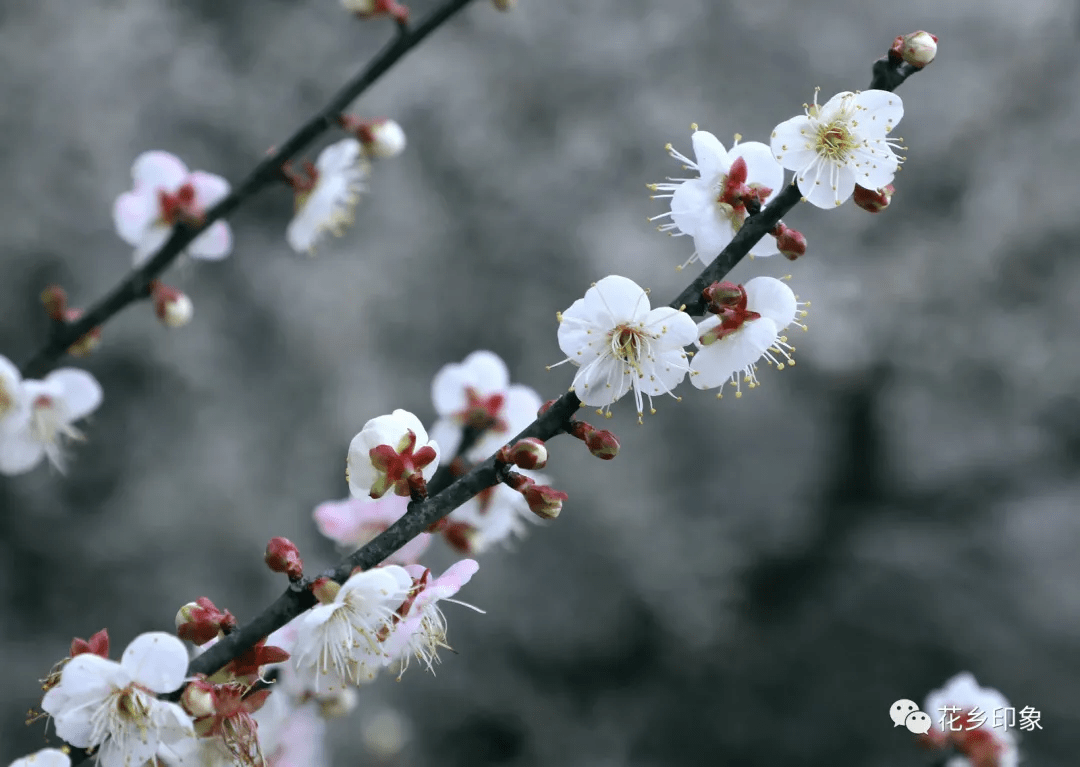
[621, 344]
[36, 417]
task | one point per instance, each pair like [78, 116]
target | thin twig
[136, 284]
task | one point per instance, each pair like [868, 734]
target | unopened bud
[98, 644]
[529, 453]
[201, 621]
[282, 556]
[367, 9]
[381, 138]
[461, 537]
[724, 295]
[198, 699]
[580, 430]
[88, 342]
[54, 298]
[325, 590]
[918, 48]
[603, 444]
[338, 704]
[545, 502]
[873, 200]
[171, 306]
[790, 242]
[545, 407]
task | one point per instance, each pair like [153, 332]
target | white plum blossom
[341, 640]
[49, 408]
[840, 144]
[711, 208]
[477, 394]
[390, 452]
[327, 196]
[198, 752]
[292, 734]
[620, 343]
[382, 138]
[421, 630]
[46, 757]
[114, 708]
[959, 704]
[730, 345]
[353, 522]
[494, 516]
[166, 192]
[13, 409]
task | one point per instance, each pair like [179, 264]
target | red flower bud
[724, 295]
[88, 342]
[200, 621]
[603, 444]
[282, 557]
[545, 502]
[918, 48]
[529, 453]
[873, 200]
[790, 242]
[54, 298]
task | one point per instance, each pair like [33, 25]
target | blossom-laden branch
[888, 75]
[137, 284]
[551, 422]
[395, 454]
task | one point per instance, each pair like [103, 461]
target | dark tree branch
[137, 283]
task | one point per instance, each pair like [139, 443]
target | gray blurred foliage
[752, 581]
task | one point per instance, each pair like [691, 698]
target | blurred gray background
[752, 581]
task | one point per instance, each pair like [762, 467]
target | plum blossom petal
[353, 522]
[158, 170]
[156, 660]
[46, 757]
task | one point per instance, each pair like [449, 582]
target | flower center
[7, 400]
[47, 421]
[835, 142]
[626, 344]
[179, 204]
[482, 413]
[398, 467]
[303, 182]
[125, 714]
[132, 704]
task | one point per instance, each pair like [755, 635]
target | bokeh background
[752, 581]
